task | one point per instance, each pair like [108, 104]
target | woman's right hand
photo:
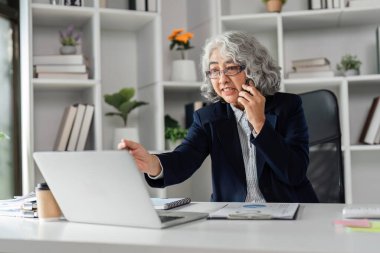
[146, 162]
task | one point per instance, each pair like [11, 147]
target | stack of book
[323, 4]
[136, 5]
[310, 68]
[25, 206]
[74, 129]
[371, 129]
[60, 66]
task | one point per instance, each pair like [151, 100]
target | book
[64, 130]
[85, 128]
[59, 59]
[190, 108]
[80, 68]
[164, 204]
[311, 74]
[74, 135]
[378, 48]
[312, 68]
[53, 75]
[372, 123]
[256, 211]
[377, 137]
[361, 211]
[310, 62]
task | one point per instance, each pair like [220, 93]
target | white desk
[312, 231]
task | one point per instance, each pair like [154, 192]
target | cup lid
[42, 186]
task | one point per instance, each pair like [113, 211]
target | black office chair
[325, 170]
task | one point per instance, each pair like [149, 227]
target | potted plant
[183, 69]
[69, 39]
[274, 5]
[123, 103]
[174, 134]
[349, 65]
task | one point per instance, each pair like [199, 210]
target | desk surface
[312, 231]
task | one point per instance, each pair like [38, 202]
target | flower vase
[129, 133]
[68, 50]
[183, 70]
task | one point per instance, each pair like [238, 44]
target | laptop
[104, 187]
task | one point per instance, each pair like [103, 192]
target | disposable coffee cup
[47, 206]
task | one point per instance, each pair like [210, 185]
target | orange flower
[175, 32]
[184, 37]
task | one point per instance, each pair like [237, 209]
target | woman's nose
[222, 77]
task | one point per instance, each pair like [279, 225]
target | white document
[256, 211]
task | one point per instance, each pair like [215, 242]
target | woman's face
[226, 86]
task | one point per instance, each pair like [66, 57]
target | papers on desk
[256, 211]
[20, 206]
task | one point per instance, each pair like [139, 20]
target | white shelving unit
[298, 33]
[123, 50]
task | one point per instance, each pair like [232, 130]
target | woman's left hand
[254, 105]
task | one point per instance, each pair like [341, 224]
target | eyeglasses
[229, 71]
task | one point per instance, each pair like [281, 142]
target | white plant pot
[351, 72]
[129, 133]
[183, 70]
[68, 50]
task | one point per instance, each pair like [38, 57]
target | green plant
[349, 61]
[282, 1]
[121, 100]
[69, 37]
[173, 131]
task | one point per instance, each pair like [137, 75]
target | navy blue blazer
[282, 153]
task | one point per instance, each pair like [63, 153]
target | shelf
[62, 84]
[53, 15]
[367, 79]
[174, 86]
[125, 20]
[365, 147]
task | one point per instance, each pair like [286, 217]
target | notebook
[104, 187]
[169, 203]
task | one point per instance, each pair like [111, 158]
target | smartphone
[247, 81]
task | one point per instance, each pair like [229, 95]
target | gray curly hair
[243, 48]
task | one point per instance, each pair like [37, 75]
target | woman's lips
[229, 91]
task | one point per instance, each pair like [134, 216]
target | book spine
[367, 123]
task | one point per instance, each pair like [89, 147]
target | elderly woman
[256, 136]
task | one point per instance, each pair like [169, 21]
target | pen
[249, 216]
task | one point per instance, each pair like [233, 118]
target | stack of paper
[25, 206]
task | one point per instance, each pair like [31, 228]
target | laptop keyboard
[168, 218]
